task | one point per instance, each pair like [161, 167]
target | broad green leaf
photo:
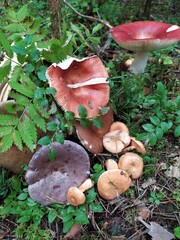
[81, 218]
[96, 207]
[95, 40]
[148, 127]
[51, 153]
[164, 127]
[69, 115]
[29, 68]
[159, 133]
[50, 90]
[6, 45]
[67, 225]
[97, 28]
[19, 49]
[52, 215]
[59, 137]
[97, 122]
[52, 126]
[39, 93]
[28, 39]
[177, 232]
[82, 111]
[155, 120]
[22, 196]
[152, 139]
[177, 131]
[91, 196]
[85, 122]
[24, 219]
[44, 140]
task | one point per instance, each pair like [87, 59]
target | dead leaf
[148, 183]
[143, 211]
[3, 232]
[156, 231]
[174, 170]
[73, 232]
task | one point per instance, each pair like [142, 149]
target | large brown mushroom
[49, 181]
[80, 82]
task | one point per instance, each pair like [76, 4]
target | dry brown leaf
[73, 232]
[156, 231]
[143, 211]
[148, 183]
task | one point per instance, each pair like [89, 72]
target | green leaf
[44, 140]
[19, 49]
[177, 232]
[91, 196]
[85, 122]
[36, 25]
[23, 89]
[69, 115]
[148, 127]
[6, 142]
[159, 133]
[4, 71]
[50, 90]
[26, 137]
[22, 13]
[155, 120]
[39, 93]
[24, 219]
[22, 196]
[81, 218]
[6, 45]
[164, 127]
[29, 68]
[104, 110]
[82, 111]
[96, 207]
[67, 225]
[14, 27]
[6, 120]
[152, 139]
[97, 122]
[5, 130]
[51, 153]
[52, 215]
[59, 137]
[42, 73]
[17, 140]
[36, 117]
[52, 126]
[97, 28]
[177, 131]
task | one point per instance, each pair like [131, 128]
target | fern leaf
[14, 27]
[19, 99]
[21, 89]
[5, 130]
[4, 72]
[28, 81]
[36, 117]
[17, 140]
[36, 25]
[22, 13]
[6, 44]
[26, 137]
[6, 142]
[31, 128]
[6, 120]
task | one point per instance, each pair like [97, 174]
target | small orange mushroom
[75, 196]
[132, 163]
[119, 126]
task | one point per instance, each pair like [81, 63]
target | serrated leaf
[5, 130]
[23, 89]
[148, 127]
[29, 68]
[14, 27]
[36, 117]
[52, 126]
[39, 93]
[22, 13]
[6, 120]
[17, 140]
[155, 120]
[6, 44]
[97, 28]
[19, 99]
[85, 122]
[6, 142]
[31, 129]
[59, 137]
[26, 138]
[50, 90]
[46, 140]
[4, 72]
[35, 26]
[52, 215]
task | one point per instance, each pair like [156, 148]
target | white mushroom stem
[139, 63]
[88, 83]
[86, 185]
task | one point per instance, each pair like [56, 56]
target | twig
[88, 17]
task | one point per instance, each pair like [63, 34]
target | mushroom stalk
[139, 63]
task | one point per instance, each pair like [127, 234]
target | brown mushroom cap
[70, 84]
[111, 183]
[75, 196]
[48, 180]
[111, 164]
[115, 141]
[132, 163]
[118, 126]
[91, 137]
[138, 145]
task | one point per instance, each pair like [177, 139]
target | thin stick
[88, 17]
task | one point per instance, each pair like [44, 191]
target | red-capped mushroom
[80, 82]
[142, 37]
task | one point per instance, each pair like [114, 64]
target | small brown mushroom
[138, 145]
[115, 141]
[111, 164]
[75, 196]
[132, 163]
[112, 183]
[118, 126]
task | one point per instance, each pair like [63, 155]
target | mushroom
[91, 137]
[75, 196]
[118, 126]
[132, 163]
[142, 37]
[111, 164]
[49, 181]
[80, 82]
[138, 145]
[112, 183]
[115, 141]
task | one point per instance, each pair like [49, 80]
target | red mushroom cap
[145, 35]
[80, 82]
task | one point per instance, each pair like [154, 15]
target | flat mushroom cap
[132, 163]
[145, 35]
[111, 183]
[92, 91]
[48, 180]
[115, 141]
[75, 197]
[119, 126]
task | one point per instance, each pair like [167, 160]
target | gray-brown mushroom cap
[49, 180]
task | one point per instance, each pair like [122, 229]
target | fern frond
[19, 98]
[17, 140]
[4, 71]
[26, 137]
[6, 120]
[31, 128]
[28, 81]
[6, 142]
[5, 130]
[22, 13]
[23, 89]
[36, 117]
